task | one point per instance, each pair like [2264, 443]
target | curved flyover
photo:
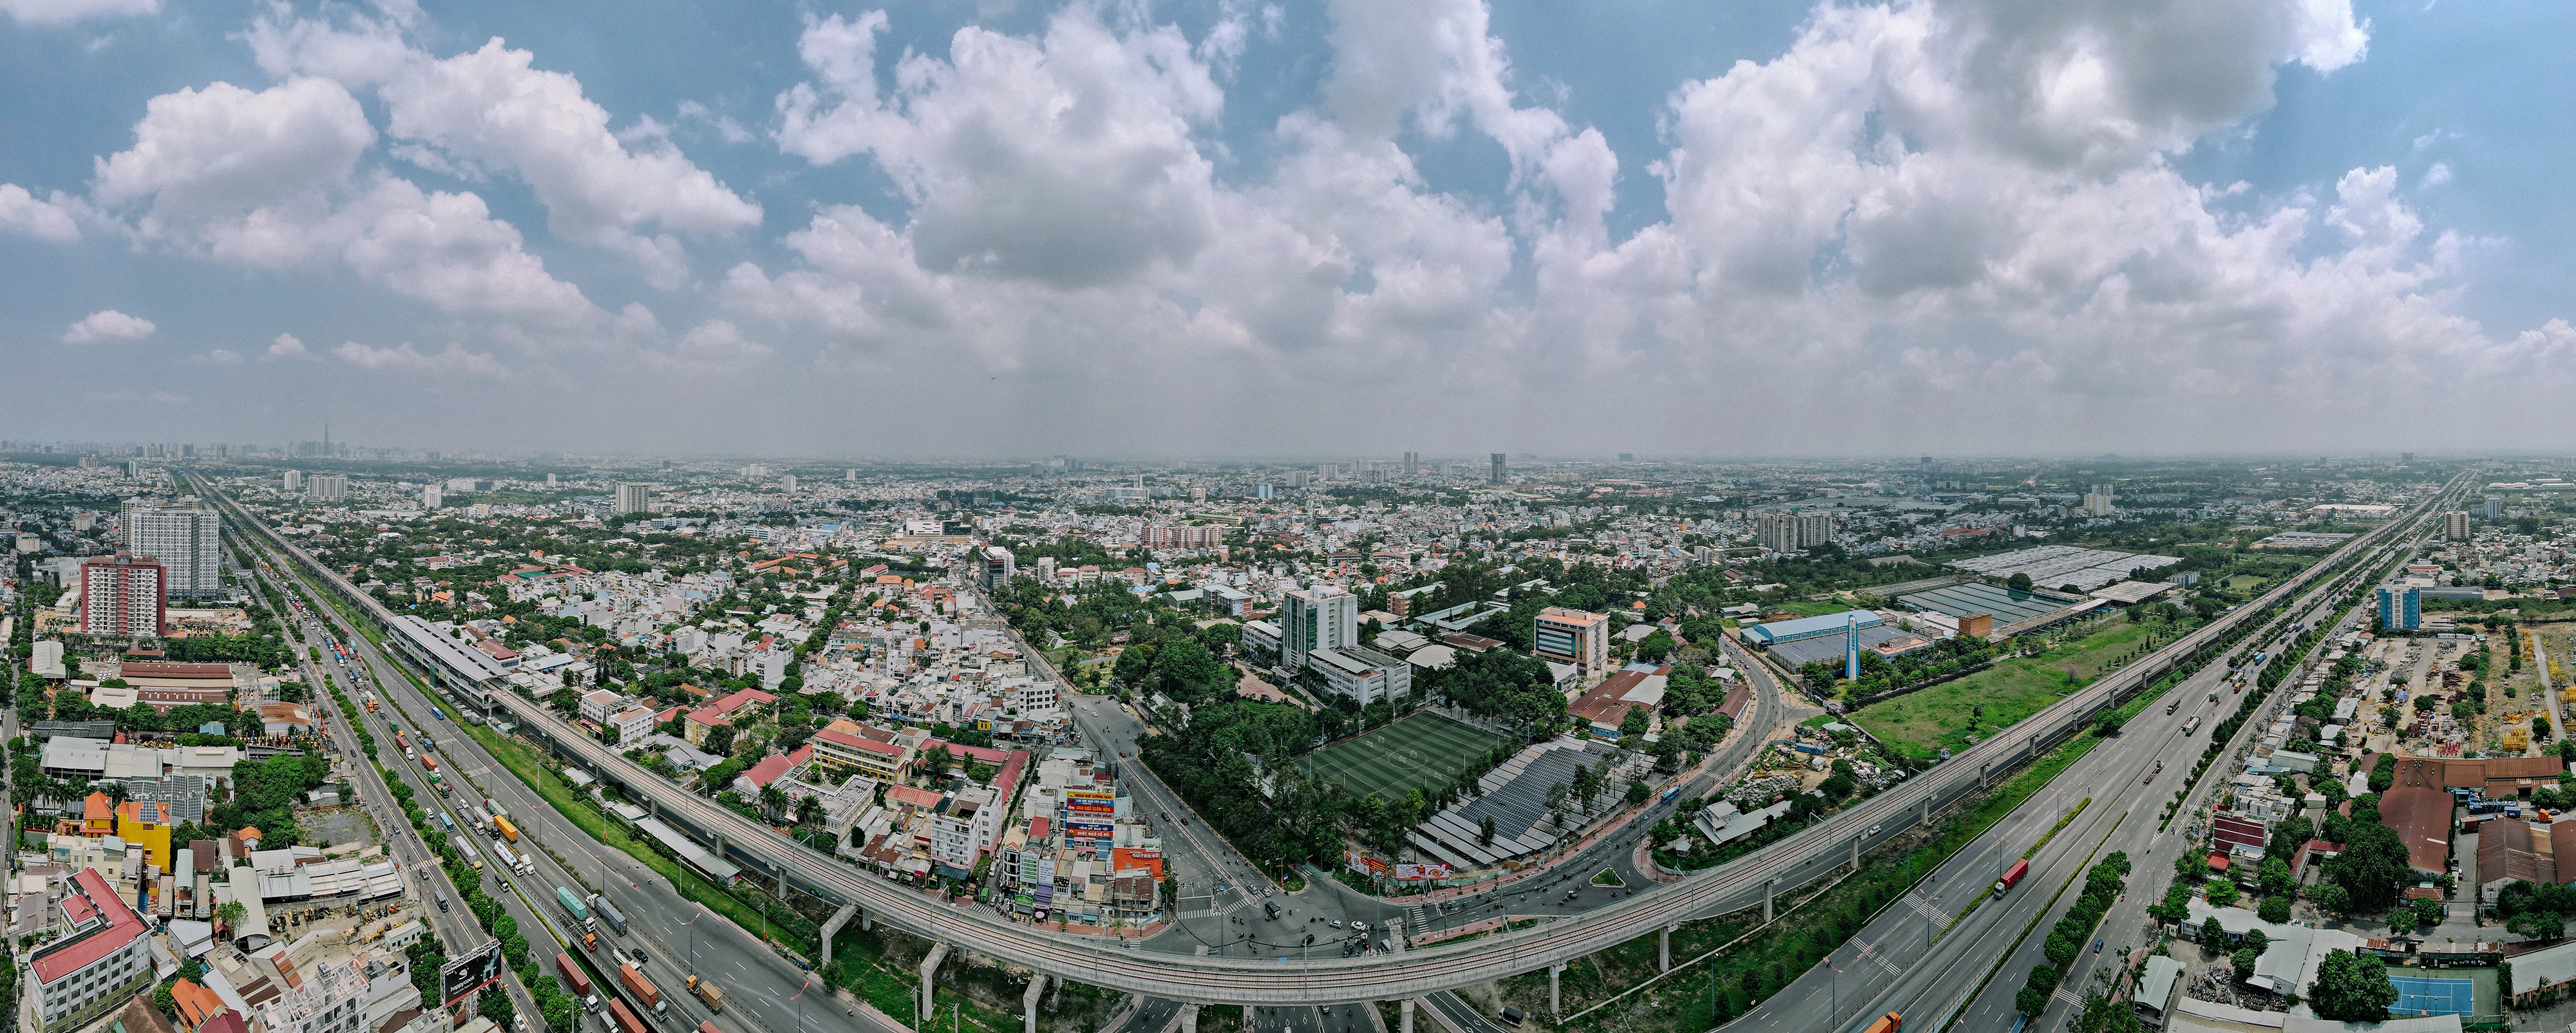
[1291, 981]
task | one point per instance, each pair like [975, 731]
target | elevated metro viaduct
[1747, 882]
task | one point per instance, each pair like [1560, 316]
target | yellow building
[146, 824]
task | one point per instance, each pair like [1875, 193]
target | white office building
[993, 567]
[633, 497]
[1322, 617]
[326, 487]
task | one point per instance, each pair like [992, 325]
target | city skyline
[1790, 230]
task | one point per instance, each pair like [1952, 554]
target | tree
[2034, 994]
[773, 800]
[2331, 898]
[495, 1006]
[1485, 831]
[2222, 892]
[2401, 922]
[2372, 866]
[720, 740]
[2191, 865]
[2274, 909]
[2352, 988]
[2275, 878]
[162, 999]
[809, 810]
[2213, 936]
[2019, 582]
[2243, 961]
[2428, 913]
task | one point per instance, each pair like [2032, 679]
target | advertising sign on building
[1364, 863]
[1420, 872]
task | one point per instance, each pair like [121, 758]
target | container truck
[608, 912]
[707, 991]
[708, 1027]
[429, 762]
[2013, 875]
[579, 981]
[626, 1022]
[573, 906]
[508, 831]
[1888, 1023]
[642, 988]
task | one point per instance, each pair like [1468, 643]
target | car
[1358, 925]
[1337, 923]
[2097, 946]
[1873, 830]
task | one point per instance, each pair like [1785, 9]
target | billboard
[1420, 872]
[1364, 863]
[470, 972]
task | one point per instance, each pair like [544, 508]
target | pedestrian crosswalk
[2069, 997]
[1413, 920]
[1890, 967]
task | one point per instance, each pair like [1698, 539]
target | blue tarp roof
[1809, 627]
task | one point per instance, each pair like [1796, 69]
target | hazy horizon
[1780, 230]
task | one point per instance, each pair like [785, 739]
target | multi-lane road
[1918, 958]
[1794, 861]
[667, 930]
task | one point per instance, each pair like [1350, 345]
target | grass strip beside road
[2006, 957]
[1732, 947]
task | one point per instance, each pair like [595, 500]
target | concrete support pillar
[831, 928]
[1029, 1003]
[1395, 935]
[1664, 950]
[1855, 855]
[929, 975]
[1189, 1018]
[1981, 774]
[867, 921]
[1555, 991]
[1767, 887]
[1405, 1024]
[1927, 808]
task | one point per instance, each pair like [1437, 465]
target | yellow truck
[707, 991]
[508, 831]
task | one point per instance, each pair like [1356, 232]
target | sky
[1235, 227]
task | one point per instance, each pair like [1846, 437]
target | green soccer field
[1422, 750]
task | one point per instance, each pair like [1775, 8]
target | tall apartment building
[1794, 530]
[993, 567]
[633, 497]
[102, 960]
[2455, 525]
[433, 496]
[188, 539]
[2493, 509]
[1573, 637]
[1323, 617]
[787, 484]
[292, 481]
[2401, 609]
[123, 594]
[326, 487]
[2098, 501]
[1412, 463]
[1495, 470]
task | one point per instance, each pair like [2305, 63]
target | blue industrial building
[1777, 632]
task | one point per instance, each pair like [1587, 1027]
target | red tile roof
[91, 898]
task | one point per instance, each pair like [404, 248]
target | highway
[664, 927]
[1895, 963]
[1795, 860]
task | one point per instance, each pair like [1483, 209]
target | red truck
[626, 1022]
[2013, 875]
[578, 981]
[642, 988]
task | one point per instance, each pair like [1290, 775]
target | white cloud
[61, 12]
[268, 180]
[490, 111]
[109, 325]
[223, 356]
[2439, 174]
[403, 358]
[43, 219]
[1066, 159]
[287, 347]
